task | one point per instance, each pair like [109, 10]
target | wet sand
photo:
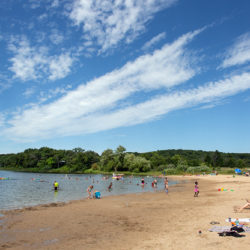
[134, 221]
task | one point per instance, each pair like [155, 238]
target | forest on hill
[79, 160]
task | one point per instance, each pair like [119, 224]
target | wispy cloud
[164, 68]
[153, 41]
[97, 105]
[108, 22]
[56, 37]
[30, 63]
[239, 53]
[52, 93]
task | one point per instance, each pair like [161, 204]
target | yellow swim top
[56, 184]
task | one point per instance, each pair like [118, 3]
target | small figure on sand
[89, 190]
[56, 185]
[196, 189]
[166, 185]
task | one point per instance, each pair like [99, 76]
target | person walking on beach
[89, 190]
[56, 185]
[166, 185]
[196, 189]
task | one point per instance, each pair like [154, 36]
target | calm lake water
[29, 189]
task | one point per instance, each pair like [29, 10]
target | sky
[145, 74]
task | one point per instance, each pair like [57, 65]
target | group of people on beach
[97, 194]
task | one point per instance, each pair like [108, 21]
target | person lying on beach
[89, 190]
[245, 206]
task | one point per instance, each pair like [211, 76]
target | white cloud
[55, 3]
[98, 105]
[108, 22]
[153, 41]
[60, 66]
[52, 93]
[28, 92]
[2, 120]
[30, 63]
[56, 37]
[164, 68]
[239, 53]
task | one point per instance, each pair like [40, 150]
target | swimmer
[56, 185]
[110, 186]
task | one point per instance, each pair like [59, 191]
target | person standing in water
[110, 186]
[166, 185]
[89, 190]
[56, 185]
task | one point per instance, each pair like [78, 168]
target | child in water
[110, 186]
[56, 185]
[166, 185]
[89, 190]
[196, 189]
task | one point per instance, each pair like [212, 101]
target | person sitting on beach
[89, 190]
[245, 206]
[56, 185]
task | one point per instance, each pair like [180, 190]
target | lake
[19, 189]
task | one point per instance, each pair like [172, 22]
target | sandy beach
[134, 221]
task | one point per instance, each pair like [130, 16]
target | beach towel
[231, 233]
[220, 229]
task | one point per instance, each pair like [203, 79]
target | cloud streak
[104, 103]
[153, 41]
[239, 53]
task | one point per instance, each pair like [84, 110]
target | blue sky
[145, 74]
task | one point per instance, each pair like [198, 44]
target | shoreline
[133, 221]
[60, 203]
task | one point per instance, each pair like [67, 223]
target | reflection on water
[19, 189]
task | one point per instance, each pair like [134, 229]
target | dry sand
[134, 221]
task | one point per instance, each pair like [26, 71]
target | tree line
[78, 160]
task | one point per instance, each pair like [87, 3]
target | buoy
[219, 189]
[222, 189]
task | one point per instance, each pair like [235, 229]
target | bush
[198, 169]
[182, 168]
[171, 171]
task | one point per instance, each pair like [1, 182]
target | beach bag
[97, 195]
